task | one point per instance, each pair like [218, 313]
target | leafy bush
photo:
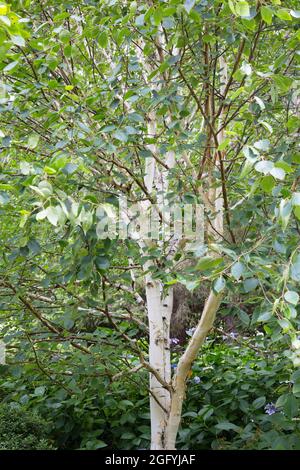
[21, 429]
[240, 396]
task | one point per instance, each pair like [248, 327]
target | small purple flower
[270, 409]
[174, 341]
[196, 379]
[190, 331]
[173, 366]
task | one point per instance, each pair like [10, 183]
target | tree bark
[179, 381]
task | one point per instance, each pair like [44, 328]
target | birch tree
[166, 104]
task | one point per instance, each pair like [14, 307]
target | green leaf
[219, 285]
[264, 166]
[292, 297]
[283, 83]
[39, 391]
[296, 199]
[127, 435]
[285, 210]
[33, 141]
[4, 19]
[290, 405]
[295, 269]
[52, 215]
[263, 145]
[190, 284]
[250, 284]
[224, 144]
[266, 14]
[188, 5]
[267, 183]
[297, 212]
[295, 13]
[102, 262]
[296, 389]
[242, 8]
[260, 102]
[231, 6]
[237, 270]
[120, 135]
[278, 173]
[158, 15]
[285, 325]
[6, 187]
[227, 426]
[283, 15]
[10, 66]
[18, 40]
[44, 189]
[207, 263]
[103, 39]
[264, 316]
[259, 403]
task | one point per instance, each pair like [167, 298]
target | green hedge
[22, 430]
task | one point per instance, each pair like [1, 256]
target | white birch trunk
[219, 202]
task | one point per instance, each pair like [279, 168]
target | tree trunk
[179, 381]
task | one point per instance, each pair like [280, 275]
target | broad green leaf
[266, 14]
[18, 40]
[188, 5]
[120, 135]
[267, 183]
[227, 426]
[295, 269]
[264, 166]
[278, 173]
[102, 262]
[263, 145]
[207, 263]
[232, 7]
[259, 403]
[224, 144]
[33, 141]
[237, 270]
[264, 316]
[296, 199]
[242, 8]
[103, 39]
[283, 83]
[260, 102]
[295, 13]
[4, 19]
[250, 284]
[11, 65]
[283, 15]
[292, 297]
[219, 284]
[285, 210]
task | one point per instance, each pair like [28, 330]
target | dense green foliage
[20, 430]
[240, 380]
[79, 83]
